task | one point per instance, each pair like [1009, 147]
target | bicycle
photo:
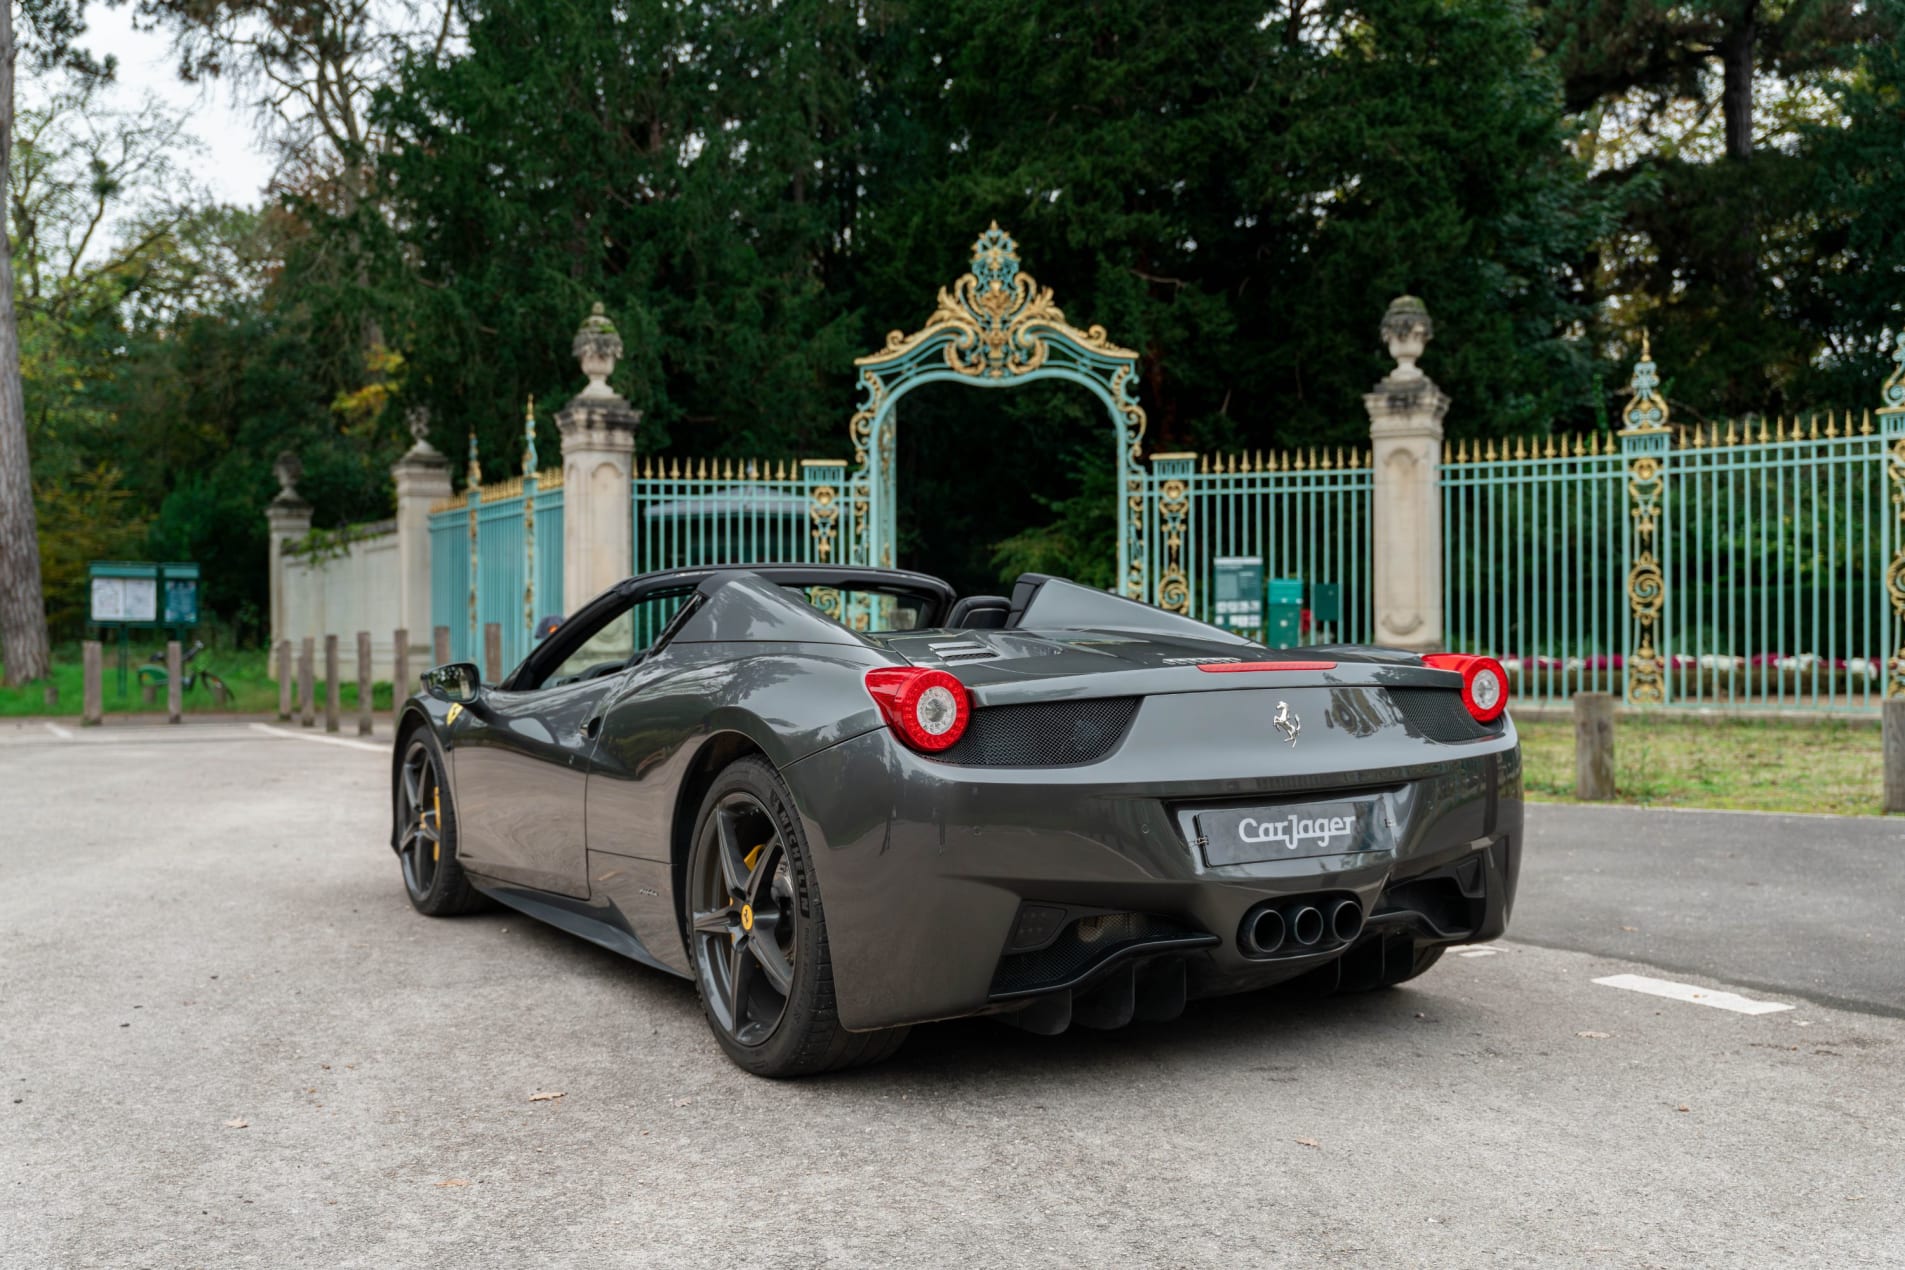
[154, 673]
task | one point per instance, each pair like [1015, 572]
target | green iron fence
[1304, 513]
[691, 512]
[1740, 564]
[516, 529]
[496, 551]
[1534, 561]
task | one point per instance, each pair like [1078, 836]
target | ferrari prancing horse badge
[1287, 722]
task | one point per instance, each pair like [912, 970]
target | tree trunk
[1736, 87]
[1737, 49]
[22, 610]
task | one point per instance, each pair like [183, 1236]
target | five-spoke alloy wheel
[426, 834]
[757, 933]
[744, 919]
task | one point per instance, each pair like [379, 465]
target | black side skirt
[601, 924]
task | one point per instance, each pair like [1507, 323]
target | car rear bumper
[930, 873]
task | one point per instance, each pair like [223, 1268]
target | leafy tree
[1703, 119]
[47, 36]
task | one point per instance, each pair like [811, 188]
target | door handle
[593, 726]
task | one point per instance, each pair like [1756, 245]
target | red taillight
[927, 708]
[1484, 683]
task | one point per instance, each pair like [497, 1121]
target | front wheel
[426, 834]
[757, 934]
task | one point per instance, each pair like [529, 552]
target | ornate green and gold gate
[994, 328]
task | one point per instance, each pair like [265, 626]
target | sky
[231, 166]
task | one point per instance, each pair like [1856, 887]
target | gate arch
[994, 328]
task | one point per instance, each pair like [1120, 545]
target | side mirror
[458, 683]
[547, 627]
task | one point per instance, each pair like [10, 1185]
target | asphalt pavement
[227, 1040]
[1813, 905]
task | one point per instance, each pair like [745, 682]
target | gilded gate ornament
[1892, 426]
[529, 520]
[1174, 505]
[999, 320]
[994, 327]
[1644, 440]
[474, 494]
[823, 509]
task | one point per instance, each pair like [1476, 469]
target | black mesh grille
[1082, 945]
[1043, 733]
[1438, 713]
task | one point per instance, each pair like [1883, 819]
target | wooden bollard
[1593, 746]
[174, 687]
[363, 683]
[92, 693]
[400, 688]
[1893, 726]
[440, 645]
[307, 682]
[492, 652]
[333, 685]
[284, 680]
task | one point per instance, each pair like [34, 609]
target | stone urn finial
[288, 469]
[1407, 330]
[597, 346]
[417, 419]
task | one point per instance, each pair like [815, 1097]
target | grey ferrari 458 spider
[843, 801]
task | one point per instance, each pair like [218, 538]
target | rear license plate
[1252, 835]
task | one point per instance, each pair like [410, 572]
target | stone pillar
[401, 684]
[289, 518]
[1405, 429]
[598, 453]
[307, 685]
[92, 693]
[174, 681]
[333, 685]
[364, 689]
[422, 476]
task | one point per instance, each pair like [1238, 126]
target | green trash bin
[1283, 614]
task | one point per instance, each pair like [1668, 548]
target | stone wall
[343, 589]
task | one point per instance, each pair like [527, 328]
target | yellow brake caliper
[436, 802]
[747, 911]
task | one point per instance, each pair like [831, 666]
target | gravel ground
[227, 1040]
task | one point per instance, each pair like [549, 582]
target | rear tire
[757, 934]
[426, 833]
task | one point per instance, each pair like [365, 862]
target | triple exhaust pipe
[1298, 926]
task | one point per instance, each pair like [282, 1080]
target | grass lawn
[1742, 764]
[253, 691]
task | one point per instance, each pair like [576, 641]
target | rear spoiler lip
[1161, 681]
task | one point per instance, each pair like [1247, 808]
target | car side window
[874, 611]
[619, 642]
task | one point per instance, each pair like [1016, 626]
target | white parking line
[1688, 992]
[326, 740]
[58, 731]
